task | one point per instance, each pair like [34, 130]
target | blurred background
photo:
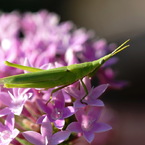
[116, 21]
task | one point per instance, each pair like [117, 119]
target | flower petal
[46, 128]
[89, 136]
[74, 92]
[101, 127]
[34, 137]
[59, 137]
[10, 121]
[68, 111]
[43, 106]
[59, 123]
[5, 111]
[5, 98]
[98, 91]
[74, 127]
[78, 104]
[40, 119]
[96, 102]
[59, 100]
[15, 133]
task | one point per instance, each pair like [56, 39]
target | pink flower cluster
[40, 40]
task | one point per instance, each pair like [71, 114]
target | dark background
[116, 24]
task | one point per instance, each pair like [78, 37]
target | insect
[57, 77]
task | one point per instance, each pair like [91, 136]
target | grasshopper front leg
[59, 88]
[55, 90]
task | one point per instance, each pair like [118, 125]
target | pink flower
[46, 137]
[87, 122]
[14, 102]
[7, 131]
[91, 98]
[56, 111]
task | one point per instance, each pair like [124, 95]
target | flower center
[56, 114]
[16, 106]
[86, 125]
[5, 135]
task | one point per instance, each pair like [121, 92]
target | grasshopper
[57, 77]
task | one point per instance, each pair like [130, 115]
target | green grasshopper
[57, 77]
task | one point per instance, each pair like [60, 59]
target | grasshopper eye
[102, 61]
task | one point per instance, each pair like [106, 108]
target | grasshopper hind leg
[86, 90]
